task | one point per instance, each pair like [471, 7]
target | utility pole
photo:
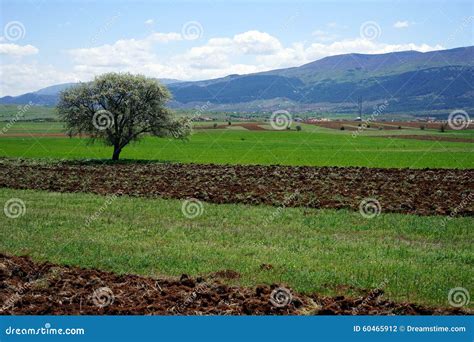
[359, 104]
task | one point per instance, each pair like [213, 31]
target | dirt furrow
[412, 191]
[32, 288]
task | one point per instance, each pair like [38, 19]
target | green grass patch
[313, 146]
[419, 258]
[25, 112]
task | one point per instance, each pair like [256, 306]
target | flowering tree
[118, 109]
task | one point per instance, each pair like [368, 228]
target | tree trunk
[116, 154]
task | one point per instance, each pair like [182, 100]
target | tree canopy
[119, 108]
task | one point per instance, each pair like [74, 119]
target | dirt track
[30, 288]
[422, 192]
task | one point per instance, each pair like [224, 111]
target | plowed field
[31, 288]
[422, 192]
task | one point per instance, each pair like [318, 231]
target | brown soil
[266, 267]
[251, 126]
[423, 192]
[376, 125]
[31, 288]
[414, 124]
[36, 135]
[226, 274]
[348, 125]
[428, 137]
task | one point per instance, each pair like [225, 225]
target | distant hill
[167, 81]
[354, 66]
[53, 90]
[49, 96]
[44, 97]
[410, 81]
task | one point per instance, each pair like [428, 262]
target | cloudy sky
[49, 42]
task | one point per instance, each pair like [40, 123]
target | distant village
[311, 119]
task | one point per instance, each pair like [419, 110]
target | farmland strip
[422, 192]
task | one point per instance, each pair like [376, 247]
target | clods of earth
[409, 191]
[42, 288]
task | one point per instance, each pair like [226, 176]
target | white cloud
[213, 59]
[324, 36]
[360, 45]
[20, 78]
[335, 25]
[246, 52]
[164, 37]
[17, 50]
[401, 24]
[300, 53]
[149, 22]
[257, 43]
[123, 52]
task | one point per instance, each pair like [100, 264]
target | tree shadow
[116, 162]
[98, 161]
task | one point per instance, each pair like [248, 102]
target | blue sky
[49, 42]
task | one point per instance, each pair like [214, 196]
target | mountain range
[409, 81]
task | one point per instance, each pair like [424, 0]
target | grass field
[312, 146]
[9, 112]
[331, 252]
[26, 112]
[413, 258]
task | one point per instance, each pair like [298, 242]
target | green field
[8, 112]
[27, 112]
[417, 259]
[331, 252]
[312, 146]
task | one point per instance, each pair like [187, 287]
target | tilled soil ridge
[412, 191]
[32, 288]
